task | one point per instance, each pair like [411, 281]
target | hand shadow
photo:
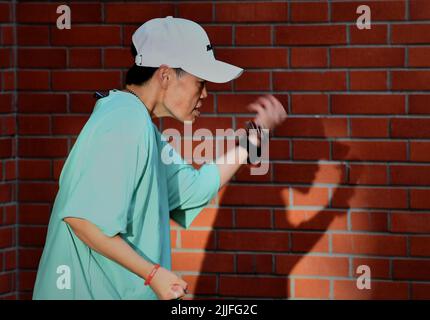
[265, 273]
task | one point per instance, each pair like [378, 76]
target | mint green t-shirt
[115, 178]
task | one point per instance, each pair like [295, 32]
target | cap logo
[208, 47]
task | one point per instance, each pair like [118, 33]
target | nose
[204, 93]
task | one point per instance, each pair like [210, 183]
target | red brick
[214, 218]
[367, 57]
[203, 262]
[420, 151]
[380, 268]
[249, 81]
[305, 81]
[250, 286]
[6, 192]
[419, 245]
[42, 102]
[410, 33]
[10, 170]
[6, 148]
[57, 168]
[33, 80]
[117, 58]
[308, 57]
[267, 195]
[63, 125]
[410, 128]
[34, 214]
[411, 80]
[411, 269]
[47, 13]
[309, 242]
[198, 239]
[5, 58]
[418, 104]
[253, 218]
[251, 57]
[420, 291]
[307, 173]
[136, 12]
[37, 192]
[306, 196]
[254, 241]
[198, 12]
[82, 102]
[312, 127]
[41, 58]
[201, 284]
[376, 35]
[418, 57]
[29, 258]
[235, 103]
[419, 10]
[379, 245]
[6, 105]
[375, 221]
[310, 220]
[77, 80]
[27, 280]
[420, 199]
[312, 288]
[307, 265]
[368, 80]
[370, 198]
[32, 35]
[34, 125]
[253, 35]
[368, 104]
[367, 174]
[10, 259]
[42, 147]
[410, 222]
[251, 12]
[309, 12]
[32, 236]
[310, 35]
[85, 58]
[7, 35]
[369, 127]
[309, 104]
[7, 125]
[380, 10]
[7, 283]
[101, 35]
[254, 263]
[7, 237]
[311, 150]
[381, 290]
[279, 150]
[219, 35]
[34, 169]
[5, 12]
[410, 175]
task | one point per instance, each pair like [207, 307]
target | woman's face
[184, 95]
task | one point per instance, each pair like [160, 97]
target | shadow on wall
[275, 242]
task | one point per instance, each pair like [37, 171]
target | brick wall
[350, 167]
[8, 141]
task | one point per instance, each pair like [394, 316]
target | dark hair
[140, 75]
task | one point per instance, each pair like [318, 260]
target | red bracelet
[151, 275]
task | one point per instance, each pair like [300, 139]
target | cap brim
[216, 71]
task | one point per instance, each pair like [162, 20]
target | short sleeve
[190, 189]
[102, 190]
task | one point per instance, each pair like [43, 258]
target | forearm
[230, 162]
[114, 248]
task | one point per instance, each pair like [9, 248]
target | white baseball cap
[180, 43]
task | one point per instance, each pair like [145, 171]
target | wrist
[151, 274]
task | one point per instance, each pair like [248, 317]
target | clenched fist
[270, 112]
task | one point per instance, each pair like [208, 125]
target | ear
[164, 75]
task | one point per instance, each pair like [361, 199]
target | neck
[149, 98]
